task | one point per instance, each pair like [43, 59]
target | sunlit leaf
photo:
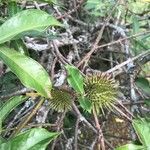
[13, 8]
[9, 105]
[33, 139]
[85, 104]
[142, 128]
[145, 0]
[130, 147]
[135, 25]
[30, 72]
[75, 78]
[26, 20]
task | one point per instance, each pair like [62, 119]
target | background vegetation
[74, 75]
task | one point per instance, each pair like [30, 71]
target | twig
[60, 56]
[122, 113]
[29, 126]
[28, 118]
[52, 68]
[71, 39]
[128, 61]
[19, 92]
[59, 125]
[133, 103]
[87, 56]
[120, 103]
[123, 39]
[109, 144]
[116, 70]
[118, 137]
[20, 114]
[100, 144]
[93, 144]
[82, 118]
[76, 134]
[70, 12]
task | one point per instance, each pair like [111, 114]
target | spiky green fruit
[61, 100]
[101, 90]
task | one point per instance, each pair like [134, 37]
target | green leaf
[147, 102]
[26, 20]
[135, 25]
[130, 147]
[13, 8]
[1, 140]
[19, 45]
[90, 4]
[75, 79]
[141, 44]
[143, 83]
[33, 139]
[9, 105]
[135, 6]
[30, 72]
[142, 128]
[85, 104]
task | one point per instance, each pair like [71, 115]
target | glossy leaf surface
[142, 128]
[75, 79]
[85, 104]
[9, 105]
[30, 72]
[130, 147]
[33, 139]
[26, 20]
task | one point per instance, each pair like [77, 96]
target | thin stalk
[100, 144]
[28, 118]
